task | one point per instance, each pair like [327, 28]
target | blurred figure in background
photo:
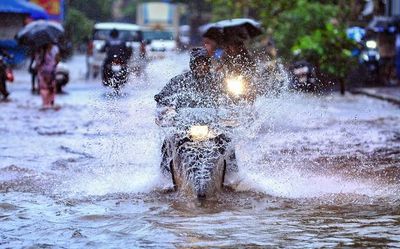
[33, 71]
[89, 56]
[115, 48]
[398, 56]
[3, 73]
[46, 59]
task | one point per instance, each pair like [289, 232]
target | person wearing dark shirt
[195, 88]
[3, 73]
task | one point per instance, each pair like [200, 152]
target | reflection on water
[314, 172]
[162, 220]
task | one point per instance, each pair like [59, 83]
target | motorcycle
[61, 76]
[370, 59]
[115, 73]
[304, 77]
[199, 151]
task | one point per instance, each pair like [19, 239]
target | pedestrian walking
[89, 57]
[3, 73]
[47, 58]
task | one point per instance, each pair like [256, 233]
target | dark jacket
[240, 64]
[187, 90]
[117, 48]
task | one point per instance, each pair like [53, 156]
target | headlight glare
[371, 44]
[236, 85]
[199, 132]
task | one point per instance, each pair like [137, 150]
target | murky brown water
[164, 220]
[315, 173]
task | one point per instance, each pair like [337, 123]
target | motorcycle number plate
[116, 68]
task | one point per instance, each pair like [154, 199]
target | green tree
[304, 25]
[329, 48]
[77, 26]
[97, 10]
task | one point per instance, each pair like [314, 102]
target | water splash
[287, 126]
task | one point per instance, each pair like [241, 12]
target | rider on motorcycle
[195, 88]
[115, 48]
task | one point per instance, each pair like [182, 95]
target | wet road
[315, 171]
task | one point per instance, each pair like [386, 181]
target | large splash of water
[126, 148]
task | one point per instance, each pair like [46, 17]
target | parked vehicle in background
[160, 22]
[131, 33]
[159, 42]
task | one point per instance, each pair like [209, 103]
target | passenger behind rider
[230, 57]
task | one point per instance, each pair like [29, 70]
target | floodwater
[315, 171]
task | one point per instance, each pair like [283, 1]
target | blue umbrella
[23, 7]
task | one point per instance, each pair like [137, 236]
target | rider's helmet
[114, 33]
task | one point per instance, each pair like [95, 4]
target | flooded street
[314, 171]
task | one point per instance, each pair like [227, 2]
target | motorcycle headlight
[371, 44]
[98, 46]
[365, 56]
[200, 132]
[236, 85]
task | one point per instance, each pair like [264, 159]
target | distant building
[14, 14]
[392, 8]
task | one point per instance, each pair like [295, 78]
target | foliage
[97, 10]
[301, 19]
[77, 26]
[304, 24]
[222, 9]
[327, 47]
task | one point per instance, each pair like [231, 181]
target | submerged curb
[373, 94]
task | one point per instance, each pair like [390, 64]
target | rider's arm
[166, 96]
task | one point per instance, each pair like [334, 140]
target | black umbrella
[39, 33]
[243, 28]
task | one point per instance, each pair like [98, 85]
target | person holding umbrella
[232, 59]
[41, 37]
[224, 41]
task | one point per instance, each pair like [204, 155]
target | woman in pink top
[47, 59]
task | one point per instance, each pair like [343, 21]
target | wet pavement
[390, 94]
[315, 171]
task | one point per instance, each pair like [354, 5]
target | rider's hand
[165, 115]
